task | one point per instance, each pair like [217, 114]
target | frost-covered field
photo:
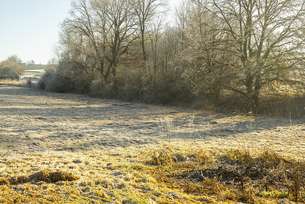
[98, 140]
[38, 121]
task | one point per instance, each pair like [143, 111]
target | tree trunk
[114, 80]
[143, 46]
[253, 92]
[255, 102]
[257, 89]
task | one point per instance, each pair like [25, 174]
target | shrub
[168, 89]
[64, 79]
[60, 84]
[11, 69]
[53, 81]
[46, 79]
[98, 88]
[137, 86]
[129, 86]
[9, 73]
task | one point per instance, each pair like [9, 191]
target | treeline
[216, 50]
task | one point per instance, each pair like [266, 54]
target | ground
[104, 143]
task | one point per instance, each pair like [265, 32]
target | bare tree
[154, 44]
[203, 56]
[109, 27]
[243, 46]
[263, 33]
[83, 23]
[122, 30]
[145, 11]
[182, 17]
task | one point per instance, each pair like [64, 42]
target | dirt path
[33, 121]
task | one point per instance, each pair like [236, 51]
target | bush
[129, 86]
[64, 79]
[11, 69]
[136, 86]
[9, 73]
[52, 81]
[168, 89]
[46, 79]
[98, 88]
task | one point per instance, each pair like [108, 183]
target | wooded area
[214, 50]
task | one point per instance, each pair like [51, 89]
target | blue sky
[30, 28]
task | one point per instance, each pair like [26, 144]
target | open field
[106, 144]
[33, 72]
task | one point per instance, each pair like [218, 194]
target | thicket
[240, 54]
[11, 68]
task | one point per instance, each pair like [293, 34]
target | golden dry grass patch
[8, 82]
[151, 174]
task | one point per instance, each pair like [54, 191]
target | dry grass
[145, 175]
[8, 82]
[43, 176]
[233, 176]
[120, 161]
